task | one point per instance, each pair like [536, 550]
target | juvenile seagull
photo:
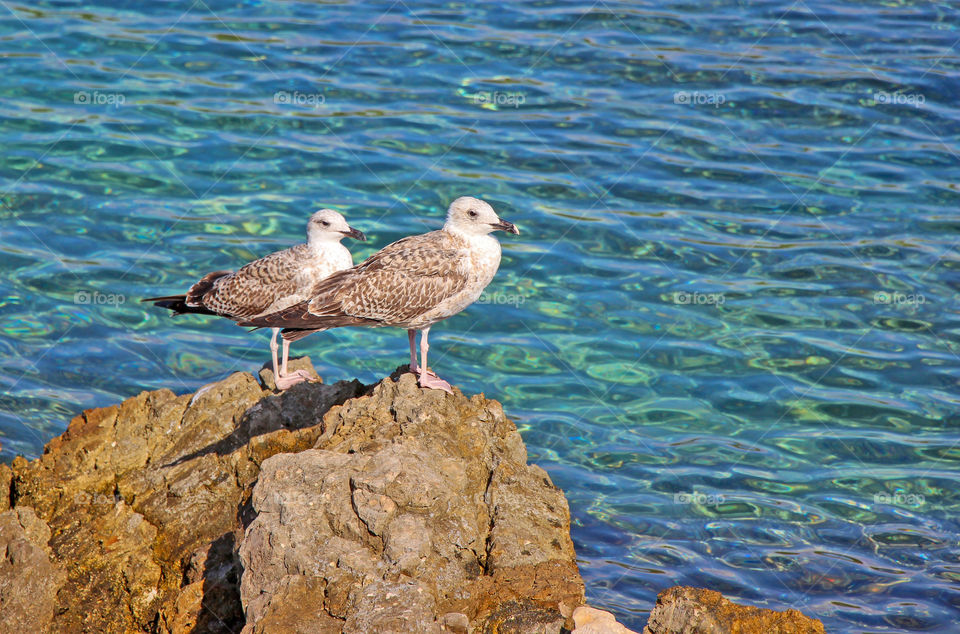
[413, 283]
[272, 283]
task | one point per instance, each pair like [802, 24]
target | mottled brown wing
[253, 288]
[425, 254]
[194, 296]
[393, 296]
[400, 282]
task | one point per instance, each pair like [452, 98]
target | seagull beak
[355, 234]
[503, 225]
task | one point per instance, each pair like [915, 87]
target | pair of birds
[412, 283]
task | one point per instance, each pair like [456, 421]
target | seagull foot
[287, 381]
[431, 381]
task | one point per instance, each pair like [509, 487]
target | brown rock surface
[684, 610]
[29, 580]
[327, 508]
[414, 505]
[430, 512]
[145, 500]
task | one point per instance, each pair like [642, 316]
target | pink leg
[284, 380]
[412, 336]
[427, 378]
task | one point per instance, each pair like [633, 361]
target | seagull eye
[472, 213]
[325, 223]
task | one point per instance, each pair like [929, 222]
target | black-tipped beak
[503, 225]
[356, 234]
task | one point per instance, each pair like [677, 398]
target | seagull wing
[399, 283]
[257, 285]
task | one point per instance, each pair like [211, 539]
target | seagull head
[470, 216]
[327, 225]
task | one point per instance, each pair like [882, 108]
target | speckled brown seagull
[272, 283]
[413, 283]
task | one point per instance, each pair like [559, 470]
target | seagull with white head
[413, 283]
[272, 283]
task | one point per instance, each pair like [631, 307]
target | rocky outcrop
[326, 508]
[699, 611]
[416, 509]
[28, 578]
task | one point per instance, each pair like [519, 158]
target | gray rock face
[28, 579]
[416, 511]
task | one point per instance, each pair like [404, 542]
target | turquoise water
[727, 330]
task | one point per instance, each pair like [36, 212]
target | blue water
[728, 329]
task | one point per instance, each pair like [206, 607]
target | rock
[146, 500]
[6, 483]
[29, 581]
[211, 589]
[269, 382]
[456, 622]
[424, 498]
[417, 514]
[589, 620]
[327, 508]
[685, 610]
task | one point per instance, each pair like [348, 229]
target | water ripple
[726, 330]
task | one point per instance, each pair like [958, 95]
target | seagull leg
[273, 350]
[412, 336]
[284, 380]
[427, 378]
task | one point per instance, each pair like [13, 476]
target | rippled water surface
[728, 329]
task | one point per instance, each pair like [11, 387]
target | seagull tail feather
[192, 301]
[178, 304]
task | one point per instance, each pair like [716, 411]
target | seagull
[413, 283]
[272, 283]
